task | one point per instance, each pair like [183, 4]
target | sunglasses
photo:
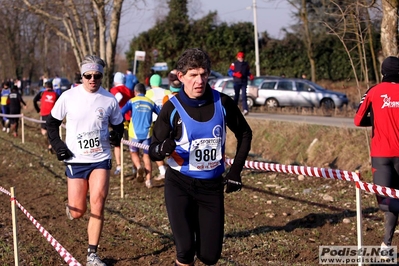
[95, 76]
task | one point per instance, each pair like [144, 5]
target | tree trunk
[389, 28]
[92, 30]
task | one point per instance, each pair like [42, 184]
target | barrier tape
[28, 118]
[376, 189]
[288, 169]
[57, 246]
[35, 120]
[11, 116]
[301, 170]
[136, 144]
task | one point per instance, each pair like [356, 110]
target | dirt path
[275, 220]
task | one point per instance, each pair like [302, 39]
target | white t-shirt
[88, 116]
[156, 95]
[56, 83]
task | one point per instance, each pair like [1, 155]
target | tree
[389, 28]
[19, 32]
[89, 26]
[303, 7]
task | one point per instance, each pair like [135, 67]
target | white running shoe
[140, 174]
[8, 130]
[245, 112]
[148, 183]
[384, 253]
[159, 177]
[4, 129]
[68, 213]
[94, 260]
[117, 170]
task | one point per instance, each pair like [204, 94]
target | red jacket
[379, 108]
[47, 102]
[127, 94]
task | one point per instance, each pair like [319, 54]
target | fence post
[23, 128]
[14, 227]
[60, 131]
[122, 194]
[359, 218]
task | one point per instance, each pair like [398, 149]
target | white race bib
[89, 142]
[205, 154]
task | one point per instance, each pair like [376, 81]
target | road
[346, 122]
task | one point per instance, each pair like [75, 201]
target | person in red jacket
[240, 72]
[47, 99]
[123, 94]
[379, 108]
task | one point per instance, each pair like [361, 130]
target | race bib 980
[205, 154]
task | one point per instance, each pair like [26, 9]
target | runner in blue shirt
[140, 130]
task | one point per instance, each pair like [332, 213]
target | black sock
[91, 249]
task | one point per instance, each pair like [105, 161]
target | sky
[272, 15]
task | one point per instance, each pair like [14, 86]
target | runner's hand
[64, 153]
[233, 182]
[166, 147]
[114, 138]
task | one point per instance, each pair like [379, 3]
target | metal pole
[134, 65]
[256, 40]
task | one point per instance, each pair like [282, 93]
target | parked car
[215, 75]
[277, 91]
[226, 86]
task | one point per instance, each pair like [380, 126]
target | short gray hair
[92, 59]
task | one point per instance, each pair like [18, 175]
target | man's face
[194, 81]
[240, 59]
[92, 80]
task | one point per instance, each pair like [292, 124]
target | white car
[226, 86]
[277, 92]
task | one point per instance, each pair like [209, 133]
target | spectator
[77, 80]
[379, 109]
[5, 108]
[26, 85]
[15, 101]
[240, 72]
[18, 85]
[140, 129]
[122, 94]
[90, 110]
[174, 85]
[131, 79]
[191, 129]
[148, 77]
[57, 84]
[47, 99]
[156, 94]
